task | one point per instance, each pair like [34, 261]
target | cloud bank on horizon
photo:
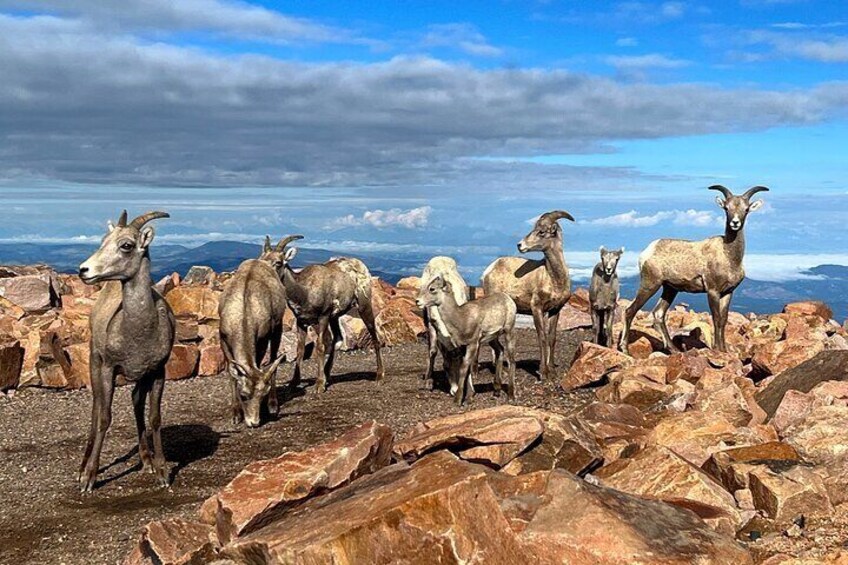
[439, 122]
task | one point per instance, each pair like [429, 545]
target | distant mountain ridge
[824, 282]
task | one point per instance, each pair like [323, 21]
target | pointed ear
[146, 237]
[110, 226]
[267, 247]
[602, 249]
[720, 201]
[621, 251]
[291, 252]
[756, 204]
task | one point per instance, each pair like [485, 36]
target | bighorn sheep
[438, 338]
[485, 320]
[319, 295]
[603, 296]
[251, 310]
[540, 288]
[712, 266]
[132, 332]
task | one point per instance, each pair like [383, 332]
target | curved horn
[557, 215]
[122, 221]
[723, 189]
[144, 218]
[285, 241]
[753, 190]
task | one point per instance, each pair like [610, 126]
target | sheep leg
[472, 373]
[724, 307]
[609, 321]
[366, 312]
[336, 339]
[497, 356]
[274, 350]
[642, 296]
[159, 466]
[553, 322]
[139, 397]
[320, 334]
[301, 351]
[106, 390]
[235, 402]
[95, 371]
[509, 346]
[432, 348]
[464, 368]
[659, 313]
[596, 325]
[542, 339]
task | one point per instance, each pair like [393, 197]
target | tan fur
[251, 311]
[538, 287]
[712, 266]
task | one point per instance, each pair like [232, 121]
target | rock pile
[44, 333]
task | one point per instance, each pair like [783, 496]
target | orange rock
[11, 363]
[492, 435]
[730, 467]
[174, 542]
[212, 360]
[265, 489]
[657, 472]
[409, 283]
[570, 318]
[183, 361]
[810, 308]
[772, 358]
[820, 437]
[579, 299]
[727, 401]
[689, 366]
[592, 363]
[200, 302]
[786, 494]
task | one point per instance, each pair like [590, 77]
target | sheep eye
[127, 246]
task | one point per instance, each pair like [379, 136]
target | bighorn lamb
[603, 296]
[485, 320]
[438, 338]
[251, 310]
[712, 266]
[132, 332]
[319, 295]
[540, 288]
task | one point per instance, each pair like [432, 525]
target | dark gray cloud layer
[83, 103]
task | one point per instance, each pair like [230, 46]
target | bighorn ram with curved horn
[251, 311]
[540, 288]
[132, 332]
[712, 266]
[318, 296]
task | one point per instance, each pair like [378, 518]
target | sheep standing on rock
[490, 319]
[712, 266]
[438, 338]
[132, 333]
[603, 296]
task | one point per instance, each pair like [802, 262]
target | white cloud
[626, 42]
[632, 219]
[649, 61]
[812, 47]
[465, 37]
[409, 219]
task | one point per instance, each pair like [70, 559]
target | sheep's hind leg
[659, 314]
[645, 293]
[497, 356]
[139, 397]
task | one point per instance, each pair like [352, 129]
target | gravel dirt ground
[44, 518]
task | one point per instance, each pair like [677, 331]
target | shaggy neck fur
[555, 263]
[734, 242]
[295, 292]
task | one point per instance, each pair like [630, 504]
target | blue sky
[428, 127]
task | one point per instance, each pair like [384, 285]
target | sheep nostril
[83, 271]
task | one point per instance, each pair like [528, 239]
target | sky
[428, 127]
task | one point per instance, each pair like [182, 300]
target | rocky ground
[44, 519]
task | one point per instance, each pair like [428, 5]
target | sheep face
[610, 259]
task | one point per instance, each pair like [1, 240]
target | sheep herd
[132, 326]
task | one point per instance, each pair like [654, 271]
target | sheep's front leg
[714, 301]
[609, 320]
[542, 338]
[320, 345]
[596, 325]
